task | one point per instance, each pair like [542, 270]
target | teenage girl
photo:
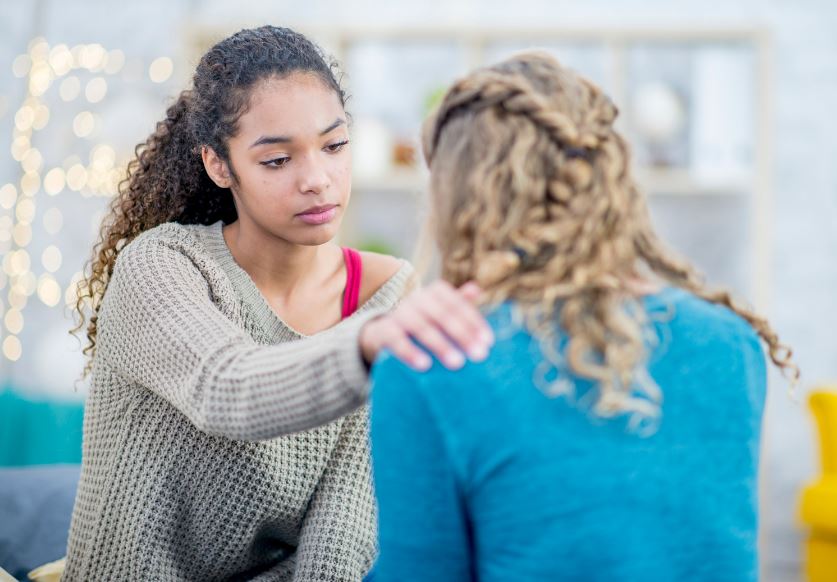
[225, 435]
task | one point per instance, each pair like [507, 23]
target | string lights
[81, 74]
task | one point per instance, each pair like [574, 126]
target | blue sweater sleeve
[422, 521]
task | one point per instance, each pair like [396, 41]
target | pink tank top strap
[354, 271]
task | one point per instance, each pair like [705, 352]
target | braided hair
[533, 198]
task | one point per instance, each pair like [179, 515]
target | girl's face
[292, 160]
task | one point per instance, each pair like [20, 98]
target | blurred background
[730, 110]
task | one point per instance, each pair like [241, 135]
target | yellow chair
[819, 501]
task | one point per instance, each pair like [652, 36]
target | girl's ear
[217, 168]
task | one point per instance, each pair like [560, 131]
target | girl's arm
[160, 328]
[424, 533]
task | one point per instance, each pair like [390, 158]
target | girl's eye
[276, 163]
[336, 147]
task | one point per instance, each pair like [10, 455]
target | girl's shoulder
[188, 239]
[174, 232]
[383, 271]
[698, 316]
[174, 248]
[377, 270]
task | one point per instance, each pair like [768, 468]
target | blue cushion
[38, 430]
[36, 504]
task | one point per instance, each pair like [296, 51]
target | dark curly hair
[166, 181]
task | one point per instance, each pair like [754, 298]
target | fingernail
[422, 363]
[454, 360]
[487, 338]
[478, 353]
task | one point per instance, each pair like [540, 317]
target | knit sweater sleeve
[159, 327]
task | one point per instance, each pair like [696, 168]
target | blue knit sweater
[480, 475]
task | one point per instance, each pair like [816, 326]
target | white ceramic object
[659, 113]
[371, 149]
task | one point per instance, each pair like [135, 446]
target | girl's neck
[277, 266]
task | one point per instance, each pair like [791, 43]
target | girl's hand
[444, 320]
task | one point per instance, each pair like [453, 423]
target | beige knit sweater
[201, 459]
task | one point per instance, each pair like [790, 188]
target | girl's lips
[320, 217]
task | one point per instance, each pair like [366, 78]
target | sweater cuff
[353, 366]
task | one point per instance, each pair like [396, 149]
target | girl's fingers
[386, 333]
[443, 320]
[457, 316]
[406, 351]
[416, 322]
[470, 291]
[449, 320]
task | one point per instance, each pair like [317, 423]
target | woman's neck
[277, 266]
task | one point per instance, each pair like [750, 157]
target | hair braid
[535, 201]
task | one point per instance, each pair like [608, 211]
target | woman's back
[480, 473]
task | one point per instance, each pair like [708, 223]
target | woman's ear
[217, 168]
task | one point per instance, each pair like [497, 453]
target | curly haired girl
[225, 435]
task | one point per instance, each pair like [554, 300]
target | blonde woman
[613, 433]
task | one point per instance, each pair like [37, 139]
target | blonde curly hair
[533, 198]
